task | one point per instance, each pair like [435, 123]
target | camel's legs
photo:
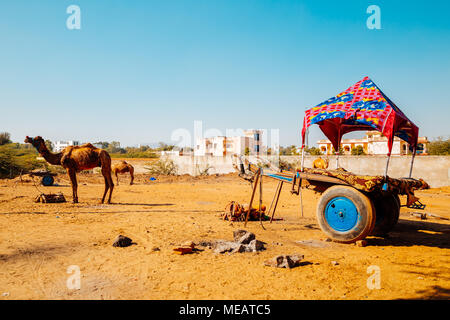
[132, 176]
[109, 184]
[111, 187]
[117, 177]
[106, 189]
[73, 180]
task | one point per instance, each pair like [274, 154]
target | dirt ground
[38, 243]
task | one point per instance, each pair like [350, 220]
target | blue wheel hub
[341, 214]
[47, 180]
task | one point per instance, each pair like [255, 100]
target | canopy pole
[303, 150]
[338, 147]
[387, 164]
[412, 162]
[303, 159]
[301, 169]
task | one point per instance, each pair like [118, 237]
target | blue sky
[137, 70]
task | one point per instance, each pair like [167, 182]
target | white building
[374, 143]
[60, 145]
[220, 146]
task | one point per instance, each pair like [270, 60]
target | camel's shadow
[142, 204]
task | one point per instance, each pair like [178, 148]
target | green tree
[247, 151]
[439, 146]
[104, 144]
[14, 160]
[114, 147]
[165, 147]
[341, 151]
[313, 151]
[358, 151]
[49, 145]
[5, 138]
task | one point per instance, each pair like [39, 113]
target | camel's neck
[52, 158]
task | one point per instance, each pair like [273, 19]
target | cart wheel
[345, 214]
[47, 180]
[387, 207]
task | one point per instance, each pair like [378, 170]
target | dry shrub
[163, 166]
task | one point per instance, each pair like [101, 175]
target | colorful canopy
[363, 106]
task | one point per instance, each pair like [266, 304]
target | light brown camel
[123, 167]
[320, 163]
[77, 158]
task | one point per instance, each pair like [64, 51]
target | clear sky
[138, 70]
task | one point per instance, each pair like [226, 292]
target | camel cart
[351, 206]
[47, 178]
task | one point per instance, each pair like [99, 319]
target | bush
[203, 171]
[313, 151]
[439, 146]
[358, 151]
[135, 154]
[163, 167]
[284, 165]
[4, 138]
[14, 160]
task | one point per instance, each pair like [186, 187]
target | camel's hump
[88, 145]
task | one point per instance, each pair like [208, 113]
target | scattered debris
[425, 215]
[238, 212]
[50, 198]
[256, 245]
[205, 243]
[183, 250]
[334, 263]
[242, 236]
[122, 241]
[222, 246]
[361, 243]
[156, 249]
[244, 241]
[188, 244]
[421, 216]
[284, 261]
[5, 294]
[186, 248]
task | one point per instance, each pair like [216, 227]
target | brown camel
[320, 163]
[123, 167]
[77, 158]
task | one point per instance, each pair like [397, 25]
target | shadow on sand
[143, 204]
[416, 233]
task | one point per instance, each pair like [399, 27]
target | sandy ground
[38, 243]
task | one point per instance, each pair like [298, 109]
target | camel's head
[36, 141]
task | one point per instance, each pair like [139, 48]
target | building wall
[61, 145]
[220, 146]
[435, 170]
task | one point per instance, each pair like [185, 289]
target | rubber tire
[47, 181]
[364, 207]
[387, 207]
